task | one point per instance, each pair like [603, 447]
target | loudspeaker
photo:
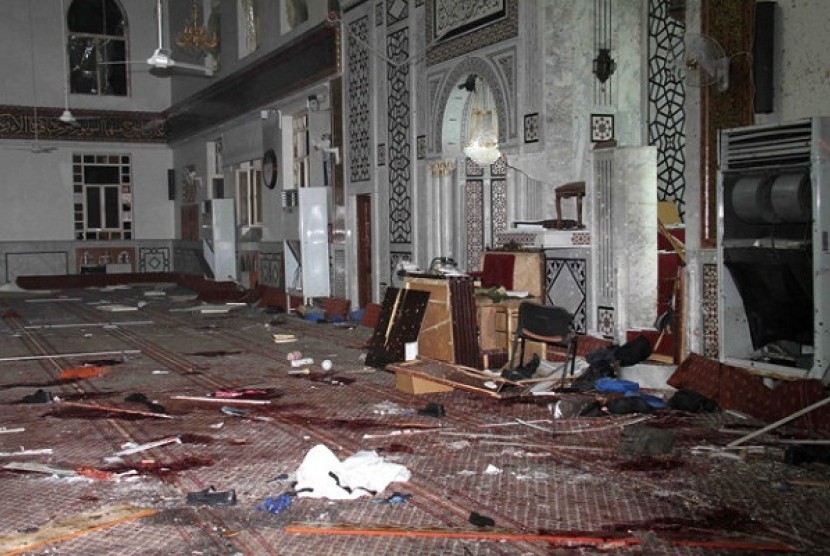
[171, 184]
[762, 56]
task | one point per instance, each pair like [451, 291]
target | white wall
[36, 75]
[36, 192]
[800, 67]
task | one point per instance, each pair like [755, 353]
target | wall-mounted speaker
[763, 56]
[171, 184]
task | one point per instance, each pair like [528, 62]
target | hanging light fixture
[195, 37]
[482, 145]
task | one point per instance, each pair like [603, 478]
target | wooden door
[364, 250]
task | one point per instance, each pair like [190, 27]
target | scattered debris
[211, 497]
[72, 527]
[222, 400]
[433, 410]
[110, 409]
[69, 355]
[646, 441]
[395, 499]
[44, 468]
[24, 452]
[153, 406]
[301, 362]
[40, 396]
[323, 475]
[277, 505]
[82, 373]
[284, 338]
[481, 520]
[4, 430]
[133, 448]
[326, 365]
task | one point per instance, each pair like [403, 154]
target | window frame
[120, 204]
[249, 194]
[97, 40]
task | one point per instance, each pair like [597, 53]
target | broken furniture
[517, 271]
[512, 270]
[569, 191]
[449, 331]
[399, 323]
[547, 324]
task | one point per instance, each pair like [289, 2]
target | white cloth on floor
[359, 475]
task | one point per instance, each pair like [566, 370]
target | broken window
[103, 198]
[97, 48]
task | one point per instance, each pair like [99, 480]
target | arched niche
[451, 117]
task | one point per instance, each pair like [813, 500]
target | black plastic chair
[548, 324]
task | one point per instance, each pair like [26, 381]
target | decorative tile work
[396, 10]
[359, 96]
[453, 17]
[581, 238]
[711, 325]
[499, 167]
[271, 270]
[399, 123]
[605, 322]
[505, 61]
[666, 94]
[566, 286]
[421, 147]
[379, 11]
[472, 169]
[602, 127]
[498, 206]
[474, 204]
[531, 128]
[490, 32]
[338, 270]
[154, 259]
[519, 238]
[381, 154]
[419, 3]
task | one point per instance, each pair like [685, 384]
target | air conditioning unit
[773, 258]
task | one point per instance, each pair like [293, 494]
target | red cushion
[497, 270]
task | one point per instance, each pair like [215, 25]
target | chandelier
[195, 37]
[482, 145]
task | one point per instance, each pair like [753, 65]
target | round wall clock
[270, 169]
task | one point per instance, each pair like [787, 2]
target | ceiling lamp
[195, 37]
[482, 145]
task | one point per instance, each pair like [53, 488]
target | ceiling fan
[162, 57]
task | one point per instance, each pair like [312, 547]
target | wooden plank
[453, 533]
[70, 528]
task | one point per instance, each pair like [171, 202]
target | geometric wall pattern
[566, 286]
[666, 93]
[154, 259]
[605, 322]
[271, 270]
[498, 206]
[474, 201]
[488, 33]
[399, 124]
[396, 10]
[358, 99]
[710, 311]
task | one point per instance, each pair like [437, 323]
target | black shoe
[211, 497]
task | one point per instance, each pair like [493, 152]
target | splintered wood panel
[436, 338]
[528, 273]
[465, 325]
[451, 375]
[399, 322]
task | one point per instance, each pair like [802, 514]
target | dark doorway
[364, 250]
